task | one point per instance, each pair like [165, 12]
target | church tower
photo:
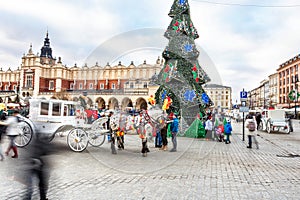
[46, 52]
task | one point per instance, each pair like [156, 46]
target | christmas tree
[182, 77]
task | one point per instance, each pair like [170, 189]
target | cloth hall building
[110, 87]
[106, 87]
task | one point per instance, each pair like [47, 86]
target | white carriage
[53, 116]
[274, 120]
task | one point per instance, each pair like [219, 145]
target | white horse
[145, 125]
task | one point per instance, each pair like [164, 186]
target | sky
[244, 40]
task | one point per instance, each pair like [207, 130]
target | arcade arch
[100, 103]
[126, 102]
[141, 103]
[113, 103]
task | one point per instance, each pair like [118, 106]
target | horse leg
[120, 142]
[112, 144]
[145, 148]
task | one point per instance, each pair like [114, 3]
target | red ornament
[197, 80]
[194, 68]
[167, 69]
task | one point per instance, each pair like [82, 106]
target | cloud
[247, 43]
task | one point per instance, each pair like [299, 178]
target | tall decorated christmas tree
[182, 77]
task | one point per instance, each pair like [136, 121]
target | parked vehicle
[274, 120]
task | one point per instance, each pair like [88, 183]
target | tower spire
[46, 50]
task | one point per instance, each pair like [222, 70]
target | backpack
[251, 126]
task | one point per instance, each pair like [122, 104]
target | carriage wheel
[287, 130]
[25, 134]
[96, 139]
[268, 127]
[77, 140]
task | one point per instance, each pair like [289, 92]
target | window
[145, 85]
[291, 69]
[113, 86]
[101, 86]
[72, 86]
[56, 108]
[131, 85]
[69, 110]
[6, 87]
[80, 86]
[29, 79]
[51, 85]
[287, 80]
[287, 72]
[91, 86]
[44, 108]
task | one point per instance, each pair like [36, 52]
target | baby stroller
[219, 133]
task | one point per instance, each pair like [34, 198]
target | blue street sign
[243, 94]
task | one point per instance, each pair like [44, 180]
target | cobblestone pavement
[199, 170]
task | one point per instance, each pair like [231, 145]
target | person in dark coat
[2, 132]
[37, 166]
[258, 120]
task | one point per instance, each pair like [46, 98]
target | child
[227, 131]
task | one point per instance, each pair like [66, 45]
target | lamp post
[296, 94]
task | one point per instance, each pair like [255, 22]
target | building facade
[287, 81]
[220, 95]
[273, 90]
[107, 86]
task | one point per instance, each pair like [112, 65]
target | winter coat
[208, 125]
[227, 129]
[12, 129]
[246, 126]
[174, 125]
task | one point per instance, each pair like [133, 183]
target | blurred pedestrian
[174, 131]
[37, 166]
[12, 131]
[208, 128]
[227, 131]
[2, 132]
[258, 120]
[250, 132]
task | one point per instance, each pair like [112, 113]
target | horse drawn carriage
[274, 120]
[49, 117]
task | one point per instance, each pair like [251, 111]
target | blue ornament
[163, 96]
[189, 95]
[205, 98]
[188, 47]
[181, 2]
